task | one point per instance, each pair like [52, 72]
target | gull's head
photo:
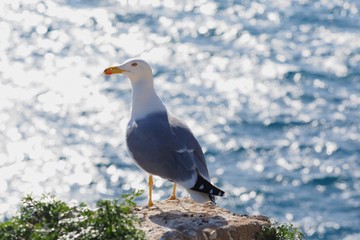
[134, 69]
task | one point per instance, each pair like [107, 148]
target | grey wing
[186, 142]
[158, 150]
[163, 145]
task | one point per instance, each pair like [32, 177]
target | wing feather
[186, 137]
[163, 145]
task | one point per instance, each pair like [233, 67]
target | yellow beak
[113, 70]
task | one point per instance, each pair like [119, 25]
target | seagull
[159, 142]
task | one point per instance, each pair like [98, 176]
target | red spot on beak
[107, 71]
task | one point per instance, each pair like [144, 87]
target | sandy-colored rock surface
[183, 219]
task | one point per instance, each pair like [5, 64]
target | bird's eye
[134, 64]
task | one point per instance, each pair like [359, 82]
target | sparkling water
[270, 89]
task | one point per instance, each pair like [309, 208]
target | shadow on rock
[187, 224]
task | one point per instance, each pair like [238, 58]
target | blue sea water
[270, 88]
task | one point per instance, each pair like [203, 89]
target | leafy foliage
[48, 218]
[280, 232]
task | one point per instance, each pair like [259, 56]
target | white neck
[144, 100]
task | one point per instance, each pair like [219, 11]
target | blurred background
[271, 89]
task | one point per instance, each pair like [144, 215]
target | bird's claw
[172, 197]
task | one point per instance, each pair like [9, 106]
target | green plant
[280, 232]
[48, 218]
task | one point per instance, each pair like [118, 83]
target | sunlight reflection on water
[268, 87]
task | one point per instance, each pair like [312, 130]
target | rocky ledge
[183, 219]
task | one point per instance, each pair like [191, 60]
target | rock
[183, 219]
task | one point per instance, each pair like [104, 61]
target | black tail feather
[203, 185]
[212, 198]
